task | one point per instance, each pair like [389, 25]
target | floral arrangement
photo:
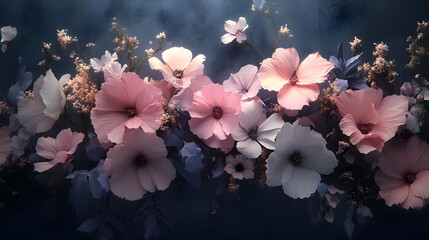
[326, 128]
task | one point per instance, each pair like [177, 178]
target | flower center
[238, 32]
[140, 160]
[178, 73]
[244, 91]
[254, 133]
[217, 112]
[239, 167]
[295, 158]
[131, 111]
[364, 128]
[409, 178]
[293, 79]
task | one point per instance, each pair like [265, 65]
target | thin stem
[247, 43]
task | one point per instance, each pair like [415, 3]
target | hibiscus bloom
[39, 111]
[403, 177]
[179, 67]
[235, 30]
[245, 82]
[59, 149]
[300, 160]
[295, 83]
[239, 167]
[256, 130]
[369, 119]
[138, 166]
[214, 115]
[125, 104]
[5, 144]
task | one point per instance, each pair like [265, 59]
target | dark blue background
[260, 213]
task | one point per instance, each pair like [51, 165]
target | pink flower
[5, 144]
[235, 30]
[403, 177]
[60, 150]
[369, 119]
[184, 97]
[179, 67]
[214, 115]
[138, 166]
[295, 83]
[245, 82]
[239, 167]
[125, 104]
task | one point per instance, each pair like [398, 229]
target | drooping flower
[5, 144]
[245, 82]
[369, 119]
[109, 65]
[179, 67]
[59, 149]
[403, 177]
[300, 160]
[8, 33]
[138, 166]
[235, 30]
[295, 83]
[256, 130]
[127, 103]
[239, 167]
[38, 112]
[214, 115]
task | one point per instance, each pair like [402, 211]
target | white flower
[245, 82]
[298, 161]
[255, 129]
[108, 65]
[235, 30]
[239, 167]
[39, 114]
[8, 33]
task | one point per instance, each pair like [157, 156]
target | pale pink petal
[417, 154]
[248, 174]
[202, 127]
[358, 102]
[227, 38]
[393, 160]
[134, 122]
[229, 168]
[277, 71]
[43, 166]
[218, 130]
[349, 127]
[214, 142]
[127, 185]
[46, 147]
[370, 143]
[241, 37]
[392, 111]
[196, 66]
[156, 64]
[230, 26]
[413, 202]
[295, 97]
[64, 140]
[77, 138]
[177, 58]
[108, 123]
[314, 69]
[157, 175]
[392, 190]
[420, 186]
[240, 134]
[238, 175]
[184, 98]
[241, 24]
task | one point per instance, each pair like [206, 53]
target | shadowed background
[317, 25]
